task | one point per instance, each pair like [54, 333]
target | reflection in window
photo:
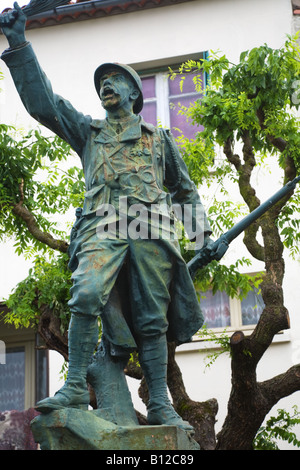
[12, 380]
[163, 99]
[252, 307]
[185, 98]
[215, 309]
[149, 111]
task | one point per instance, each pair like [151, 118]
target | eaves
[93, 9]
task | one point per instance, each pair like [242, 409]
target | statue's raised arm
[13, 22]
[13, 26]
[50, 109]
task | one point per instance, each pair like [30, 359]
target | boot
[83, 337]
[153, 357]
[106, 376]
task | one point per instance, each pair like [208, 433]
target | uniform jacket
[86, 135]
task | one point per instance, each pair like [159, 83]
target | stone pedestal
[72, 429]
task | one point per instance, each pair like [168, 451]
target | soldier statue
[139, 287]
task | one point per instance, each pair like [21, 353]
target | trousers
[135, 274]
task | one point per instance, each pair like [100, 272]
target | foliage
[221, 344]
[237, 92]
[289, 224]
[249, 108]
[31, 177]
[256, 99]
[48, 283]
[278, 428]
[35, 174]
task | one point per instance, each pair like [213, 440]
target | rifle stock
[217, 249]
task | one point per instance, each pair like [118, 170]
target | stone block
[73, 429]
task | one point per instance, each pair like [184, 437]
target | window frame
[163, 98]
[235, 308]
[26, 338]
[159, 68]
[29, 373]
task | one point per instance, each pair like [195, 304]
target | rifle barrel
[220, 246]
[260, 210]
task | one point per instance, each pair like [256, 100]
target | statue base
[73, 429]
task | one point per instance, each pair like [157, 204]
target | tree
[37, 184]
[253, 104]
[250, 104]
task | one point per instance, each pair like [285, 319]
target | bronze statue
[139, 287]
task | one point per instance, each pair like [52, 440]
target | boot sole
[156, 419]
[52, 407]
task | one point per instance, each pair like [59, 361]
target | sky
[10, 3]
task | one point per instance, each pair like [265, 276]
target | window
[163, 99]
[23, 368]
[251, 308]
[221, 311]
[12, 380]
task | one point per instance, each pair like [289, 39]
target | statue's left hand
[207, 243]
[13, 26]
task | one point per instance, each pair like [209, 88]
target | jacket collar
[133, 132]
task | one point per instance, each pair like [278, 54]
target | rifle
[39, 6]
[216, 250]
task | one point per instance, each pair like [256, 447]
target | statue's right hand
[13, 26]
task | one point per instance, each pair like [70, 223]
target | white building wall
[70, 53]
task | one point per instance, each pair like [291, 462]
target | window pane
[41, 371]
[215, 309]
[148, 84]
[179, 121]
[252, 307]
[149, 112]
[188, 86]
[12, 380]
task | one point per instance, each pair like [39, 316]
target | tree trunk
[201, 415]
[249, 400]
[246, 406]
[49, 328]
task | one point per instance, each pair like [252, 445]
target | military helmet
[138, 105]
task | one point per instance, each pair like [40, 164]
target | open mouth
[107, 92]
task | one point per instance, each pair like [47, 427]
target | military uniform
[137, 286]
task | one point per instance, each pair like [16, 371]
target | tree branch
[250, 241]
[21, 211]
[246, 190]
[49, 328]
[282, 385]
[278, 142]
[233, 158]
